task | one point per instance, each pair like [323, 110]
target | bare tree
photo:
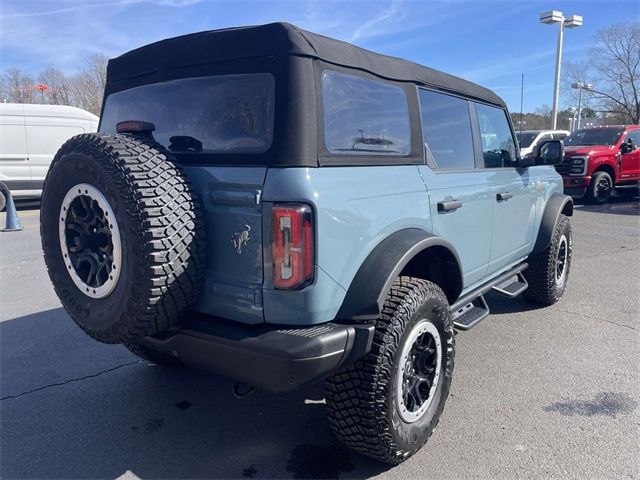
[87, 86]
[614, 71]
[18, 87]
[541, 118]
[575, 72]
[84, 89]
[538, 120]
[57, 86]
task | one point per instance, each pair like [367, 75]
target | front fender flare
[557, 204]
[366, 294]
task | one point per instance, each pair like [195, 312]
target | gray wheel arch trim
[366, 294]
[556, 204]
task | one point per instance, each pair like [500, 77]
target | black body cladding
[405, 249]
[556, 205]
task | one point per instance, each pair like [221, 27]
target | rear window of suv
[218, 114]
[364, 116]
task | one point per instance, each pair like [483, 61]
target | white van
[30, 135]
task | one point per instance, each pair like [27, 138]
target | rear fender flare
[366, 294]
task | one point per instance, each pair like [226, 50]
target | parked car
[30, 135]
[530, 139]
[599, 160]
[282, 208]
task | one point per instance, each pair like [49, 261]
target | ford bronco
[281, 208]
[599, 160]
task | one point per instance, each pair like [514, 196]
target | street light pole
[549, 18]
[580, 86]
[556, 84]
[572, 119]
[579, 108]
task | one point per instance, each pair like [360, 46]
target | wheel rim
[602, 187]
[90, 241]
[418, 371]
[561, 260]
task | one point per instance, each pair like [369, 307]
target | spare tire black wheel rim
[90, 241]
[419, 371]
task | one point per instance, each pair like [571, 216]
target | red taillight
[292, 246]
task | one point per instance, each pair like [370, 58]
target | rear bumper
[276, 359]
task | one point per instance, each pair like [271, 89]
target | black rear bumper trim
[269, 357]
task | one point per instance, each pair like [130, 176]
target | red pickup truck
[599, 160]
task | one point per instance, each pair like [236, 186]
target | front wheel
[548, 271]
[600, 189]
[387, 405]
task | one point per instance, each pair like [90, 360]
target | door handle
[449, 206]
[501, 197]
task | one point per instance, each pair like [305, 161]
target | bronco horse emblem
[240, 239]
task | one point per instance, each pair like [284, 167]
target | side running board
[512, 288]
[471, 314]
[472, 308]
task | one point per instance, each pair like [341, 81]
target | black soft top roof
[280, 39]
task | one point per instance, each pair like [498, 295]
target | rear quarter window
[364, 116]
[215, 114]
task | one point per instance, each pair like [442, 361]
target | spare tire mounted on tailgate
[122, 236]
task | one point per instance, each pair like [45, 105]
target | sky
[490, 42]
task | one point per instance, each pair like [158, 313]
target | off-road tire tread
[165, 217]
[541, 273]
[356, 395]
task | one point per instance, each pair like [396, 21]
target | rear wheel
[122, 237]
[600, 188]
[387, 405]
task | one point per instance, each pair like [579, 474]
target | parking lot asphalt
[537, 392]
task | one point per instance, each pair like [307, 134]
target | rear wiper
[184, 143]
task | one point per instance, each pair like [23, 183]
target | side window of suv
[498, 145]
[446, 131]
[364, 116]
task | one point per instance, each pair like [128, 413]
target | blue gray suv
[281, 208]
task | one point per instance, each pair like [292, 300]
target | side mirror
[550, 152]
[627, 147]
